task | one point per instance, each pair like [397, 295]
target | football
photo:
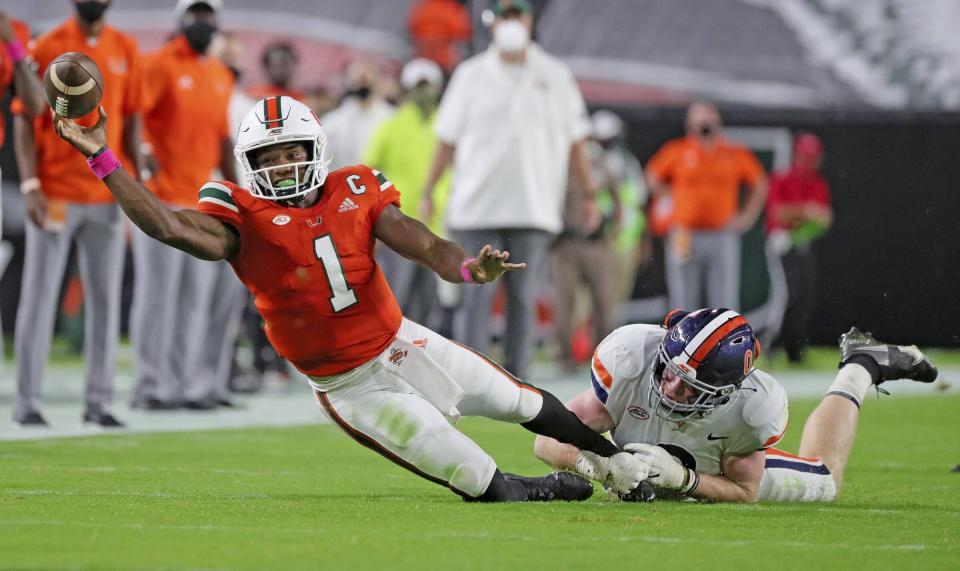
[73, 85]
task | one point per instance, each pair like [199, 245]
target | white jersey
[755, 418]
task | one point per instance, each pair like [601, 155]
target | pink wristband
[16, 52]
[465, 271]
[103, 162]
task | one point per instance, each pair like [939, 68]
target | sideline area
[293, 404]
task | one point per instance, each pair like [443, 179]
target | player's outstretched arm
[411, 239]
[195, 233]
[621, 472]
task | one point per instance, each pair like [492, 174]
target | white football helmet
[277, 120]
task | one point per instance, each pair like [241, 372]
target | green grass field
[310, 498]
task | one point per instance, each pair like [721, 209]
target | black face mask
[90, 10]
[199, 35]
[363, 92]
[707, 130]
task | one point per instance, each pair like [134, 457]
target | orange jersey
[185, 102]
[63, 172]
[705, 183]
[22, 32]
[326, 304]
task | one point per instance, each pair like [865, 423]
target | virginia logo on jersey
[347, 204]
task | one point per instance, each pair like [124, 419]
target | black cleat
[564, 486]
[201, 404]
[30, 420]
[102, 419]
[151, 403]
[893, 361]
[645, 492]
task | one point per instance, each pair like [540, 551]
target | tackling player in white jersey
[687, 400]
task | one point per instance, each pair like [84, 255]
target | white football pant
[789, 478]
[377, 405]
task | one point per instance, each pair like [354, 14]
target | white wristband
[29, 185]
[691, 482]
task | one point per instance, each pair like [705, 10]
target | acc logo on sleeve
[638, 413]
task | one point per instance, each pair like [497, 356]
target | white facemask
[511, 36]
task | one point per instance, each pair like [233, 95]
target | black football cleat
[563, 486]
[645, 492]
[201, 404]
[893, 361]
[102, 420]
[152, 403]
[30, 420]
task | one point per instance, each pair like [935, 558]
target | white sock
[852, 381]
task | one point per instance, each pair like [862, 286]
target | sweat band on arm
[103, 162]
[16, 52]
[465, 271]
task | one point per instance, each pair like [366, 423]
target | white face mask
[511, 36]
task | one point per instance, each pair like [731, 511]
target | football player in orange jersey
[301, 239]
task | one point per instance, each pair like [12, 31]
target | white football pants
[789, 478]
[381, 409]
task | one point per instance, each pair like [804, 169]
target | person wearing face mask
[66, 205]
[186, 95]
[702, 173]
[279, 62]
[402, 146]
[360, 112]
[512, 122]
[798, 214]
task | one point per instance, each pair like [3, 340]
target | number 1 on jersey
[341, 296]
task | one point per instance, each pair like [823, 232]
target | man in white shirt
[512, 123]
[351, 125]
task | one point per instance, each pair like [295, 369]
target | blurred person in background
[798, 214]
[512, 122]
[186, 95]
[320, 100]
[403, 146]
[361, 111]
[703, 173]
[578, 258]
[233, 313]
[229, 299]
[622, 171]
[438, 31]
[16, 76]
[67, 205]
[279, 62]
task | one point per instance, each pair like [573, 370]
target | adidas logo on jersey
[347, 204]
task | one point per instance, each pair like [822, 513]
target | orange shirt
[63, 172]
[185, 101]
[705, 183]
[258, 92]
[436, 26]
[326, 304]
[22, 32]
